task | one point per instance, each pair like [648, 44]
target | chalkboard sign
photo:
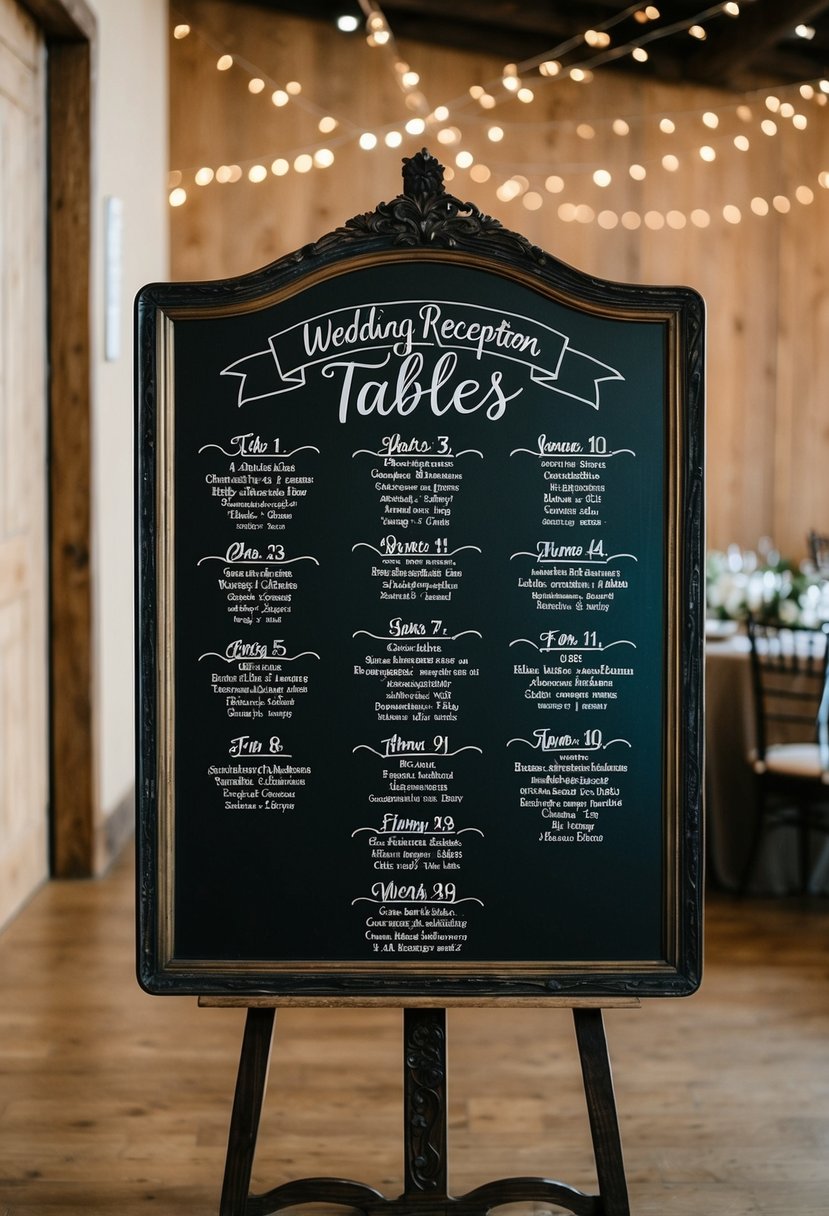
[419, 620]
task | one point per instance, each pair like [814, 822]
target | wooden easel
[425, 1121]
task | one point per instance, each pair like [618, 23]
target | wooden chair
[789, 669]
[819, 551]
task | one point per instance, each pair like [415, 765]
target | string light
[347, 23]
[181, 31]
[518, 185]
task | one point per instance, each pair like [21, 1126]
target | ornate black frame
[426, 218]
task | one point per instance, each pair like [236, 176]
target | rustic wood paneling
[764, 279]
[23, 486]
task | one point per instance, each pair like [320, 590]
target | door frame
[69, 28]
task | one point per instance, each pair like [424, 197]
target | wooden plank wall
[764, 279]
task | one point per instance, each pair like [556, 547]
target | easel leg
[247, 1108]
[601, 1108]
[424, 1102]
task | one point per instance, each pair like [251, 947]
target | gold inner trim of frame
[673, 744]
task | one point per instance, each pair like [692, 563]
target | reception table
[730, 798]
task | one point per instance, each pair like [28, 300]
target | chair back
[819, 551]
[789, 669]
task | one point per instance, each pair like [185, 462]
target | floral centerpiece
[768, 586]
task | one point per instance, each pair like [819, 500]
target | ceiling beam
[730, 51]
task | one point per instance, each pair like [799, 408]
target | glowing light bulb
[280, 167]
[711, 120]
[367, 141]
[347, 23]
[495, 134]
[178, 197]
[257, 173]
[224, 62]
[620, 127]
[204, 176]
[256, 85]
[667, 126]
[181, 31]
[602, 178]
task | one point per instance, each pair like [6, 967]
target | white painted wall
[131, 164]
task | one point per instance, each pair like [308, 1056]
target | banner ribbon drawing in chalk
[405, 326]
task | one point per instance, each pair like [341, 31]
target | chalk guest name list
[418, 620]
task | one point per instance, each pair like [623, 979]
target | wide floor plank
[116, 1103]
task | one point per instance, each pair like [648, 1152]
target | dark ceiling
[757, 48]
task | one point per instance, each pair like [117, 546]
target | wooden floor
[117, 1103]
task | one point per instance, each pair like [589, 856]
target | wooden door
[23, 581]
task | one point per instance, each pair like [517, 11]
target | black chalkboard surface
[419, 620]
